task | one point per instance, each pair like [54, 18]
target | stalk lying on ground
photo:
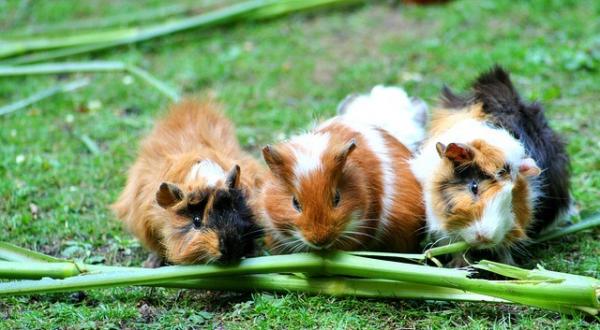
[378, 278]
[540, 288]
[96, 40]
[271, 282]
[92, 66]
[61, 88]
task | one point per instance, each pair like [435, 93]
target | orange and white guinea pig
[190, 196]
[347, 184]
[493, 172]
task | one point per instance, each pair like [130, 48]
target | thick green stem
[95, 23]
[107, 39]
[274, 264]
[574, 290]
[12, 252]
[334, 286]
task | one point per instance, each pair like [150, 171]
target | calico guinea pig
[494, 173]
[347, 184]
[190, 195]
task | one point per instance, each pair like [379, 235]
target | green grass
[274, 78]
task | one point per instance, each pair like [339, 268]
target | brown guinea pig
[347, 184]
[190, 194]
[493, 172]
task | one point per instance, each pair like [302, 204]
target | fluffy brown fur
[162, 197]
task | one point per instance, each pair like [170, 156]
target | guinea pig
[494, 173]
[347, 184]
[190, 195]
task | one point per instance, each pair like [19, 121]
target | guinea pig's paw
[154, 261]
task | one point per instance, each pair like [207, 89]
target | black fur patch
[235, 224]
[526, 122]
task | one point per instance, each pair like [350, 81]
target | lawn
[274, 79]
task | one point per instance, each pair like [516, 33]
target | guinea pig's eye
[336, 198]
[197, 221]
[296, 204]
[474, 187]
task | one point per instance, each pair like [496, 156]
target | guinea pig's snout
[482, 238]
[320, 242]
[478, 237]
[233, 247]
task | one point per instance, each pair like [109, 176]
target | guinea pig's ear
[344, 152]
[458, 153]
[168, 195]
[233, 177]
[273, 158]
[528, 167]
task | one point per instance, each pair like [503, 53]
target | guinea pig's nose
[322, 241]
[482, 238]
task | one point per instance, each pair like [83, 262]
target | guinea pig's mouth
[312, 246]
[319, 248]
[478, 239]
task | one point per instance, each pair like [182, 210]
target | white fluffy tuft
[308, 150]
[391, 109]
[207, 170]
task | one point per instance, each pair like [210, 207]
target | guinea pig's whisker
[349, 237]
[284, 244]
[299, 247]
[346, 240]
[358, 233]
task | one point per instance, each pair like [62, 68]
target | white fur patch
[496, 221]
[208, 170]
[391, 109]
[308, 150]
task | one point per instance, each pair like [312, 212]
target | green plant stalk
[102, 40]
[274, 264]
[138, 16]
[93, 66]
[62, 88]
[587, 223]
[149, 79]
[568, 290]
[447, 249]
[555, 291]
[284, 7]
[65, 67]
[334, 286]
[271, 282]
[12, 252]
